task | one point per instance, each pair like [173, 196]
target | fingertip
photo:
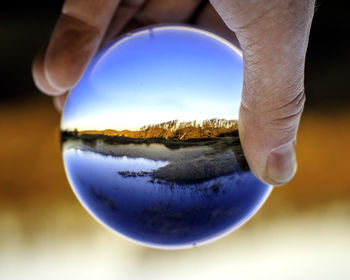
[71, 47]
[39, 76]
[281, 164]
[270, 154]
[270, 181]
[279, 170]
[59, 101]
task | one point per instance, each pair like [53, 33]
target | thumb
[274, 37]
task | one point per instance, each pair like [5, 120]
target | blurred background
[302, 232]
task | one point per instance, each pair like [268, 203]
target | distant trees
[206, 124]
[173, 129]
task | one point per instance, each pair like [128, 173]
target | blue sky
[157, 75]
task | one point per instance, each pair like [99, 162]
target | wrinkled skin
[272, 34]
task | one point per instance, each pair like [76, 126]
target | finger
[75, 39]
[59, 101]
[39, 75]
[210, 20]
[164, 11]
[274, 37]
[127, 9]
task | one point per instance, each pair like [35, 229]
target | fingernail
[281, 164]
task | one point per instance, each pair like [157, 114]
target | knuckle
[276, 112]
[289, 107]
[286, 116]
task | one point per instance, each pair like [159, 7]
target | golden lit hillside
[174, 130]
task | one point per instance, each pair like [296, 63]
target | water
[122, 194]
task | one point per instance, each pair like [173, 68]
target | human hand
[84, 27]
[273, 35]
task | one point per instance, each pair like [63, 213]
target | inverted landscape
[195, 151]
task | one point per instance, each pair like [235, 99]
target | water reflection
[164, 196]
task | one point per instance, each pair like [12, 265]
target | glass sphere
[150, 138]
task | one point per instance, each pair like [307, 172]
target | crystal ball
[150, 138]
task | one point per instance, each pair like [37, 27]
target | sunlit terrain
[302, 232]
